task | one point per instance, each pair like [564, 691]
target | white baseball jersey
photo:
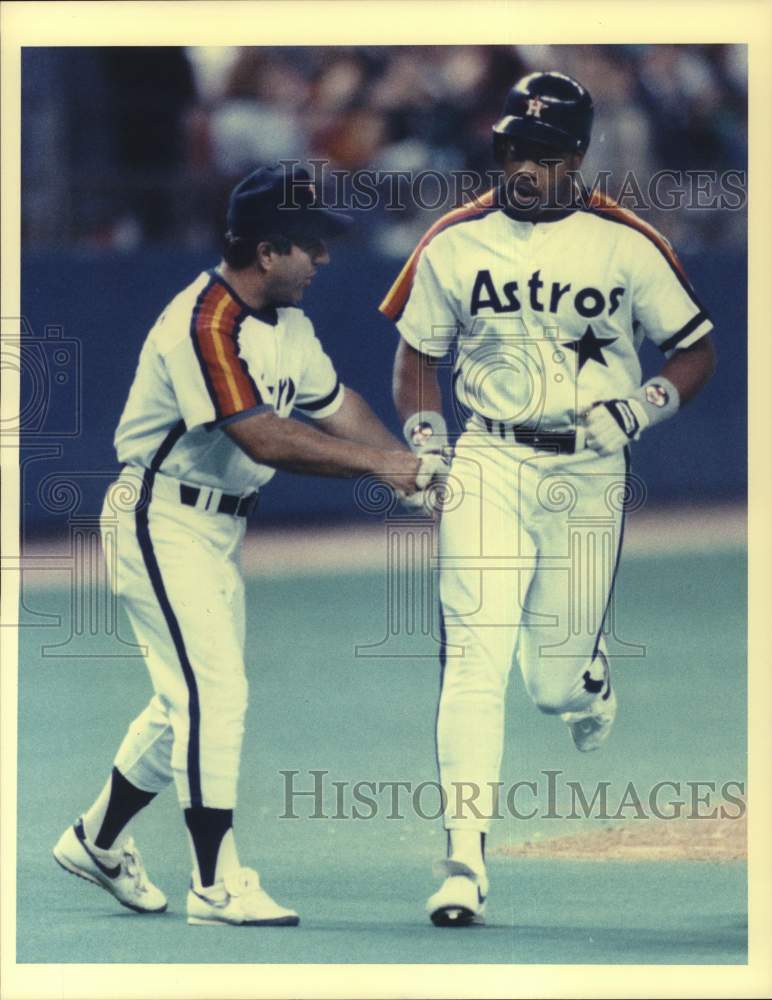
[211, 359]
[546, 318]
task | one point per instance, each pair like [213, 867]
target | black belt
[229, 504]
[563, 442]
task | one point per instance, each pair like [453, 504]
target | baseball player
[541, 300]
[206, 424]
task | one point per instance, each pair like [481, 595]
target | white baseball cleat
[460, 900]
[240, 900]
[590, 729]
[119, 871]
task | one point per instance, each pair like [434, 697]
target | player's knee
[231, 705]
[222, 710]
[550, 704]
[550, 695]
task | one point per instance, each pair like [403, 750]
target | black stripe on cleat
[452, 916]
[80, 833]
[288, 921]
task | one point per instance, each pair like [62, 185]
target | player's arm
[355, 421]
[667, 308]
[415, 385]
[418, 397]
[296, 447]
[426, 313]
[691, 369]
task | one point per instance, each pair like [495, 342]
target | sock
[210, 830]
[468, 846]
[117, 803]
[595, 678]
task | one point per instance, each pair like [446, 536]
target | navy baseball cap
[281, 200]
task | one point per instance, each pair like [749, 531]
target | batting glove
[611, 424]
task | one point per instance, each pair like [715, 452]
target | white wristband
[659, 399]
[425, 431]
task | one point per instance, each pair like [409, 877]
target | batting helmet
[549, 108]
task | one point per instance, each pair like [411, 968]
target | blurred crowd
[123, 146]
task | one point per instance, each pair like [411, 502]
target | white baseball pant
[528, 554]
[179, 580]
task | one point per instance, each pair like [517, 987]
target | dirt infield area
[650, 840]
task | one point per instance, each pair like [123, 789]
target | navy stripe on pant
[618, 557]
[141, 516]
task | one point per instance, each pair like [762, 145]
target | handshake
[433, 469]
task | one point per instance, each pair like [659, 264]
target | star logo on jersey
[590, 347]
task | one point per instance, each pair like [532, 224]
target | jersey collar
[268, 314]
[547, 215]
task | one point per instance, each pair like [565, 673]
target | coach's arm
[355, 421]
[294, 446]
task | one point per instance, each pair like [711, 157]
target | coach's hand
[432, 474]
[401, 470]
[434, 468]
[611, 424]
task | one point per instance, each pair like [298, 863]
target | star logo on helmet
[535, 105]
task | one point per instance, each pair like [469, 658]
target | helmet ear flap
[500, 147]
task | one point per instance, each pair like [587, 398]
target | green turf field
[360, 885]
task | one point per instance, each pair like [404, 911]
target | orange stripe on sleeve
[397, 296]
[216, 327]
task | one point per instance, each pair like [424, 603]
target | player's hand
[432, 473]
[611, 424]
[403, 471]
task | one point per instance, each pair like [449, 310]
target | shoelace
[244, 881]
[132, 860]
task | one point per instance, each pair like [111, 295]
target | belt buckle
[562, 441]
[206, 499]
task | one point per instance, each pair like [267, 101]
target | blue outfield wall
[86, 315]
